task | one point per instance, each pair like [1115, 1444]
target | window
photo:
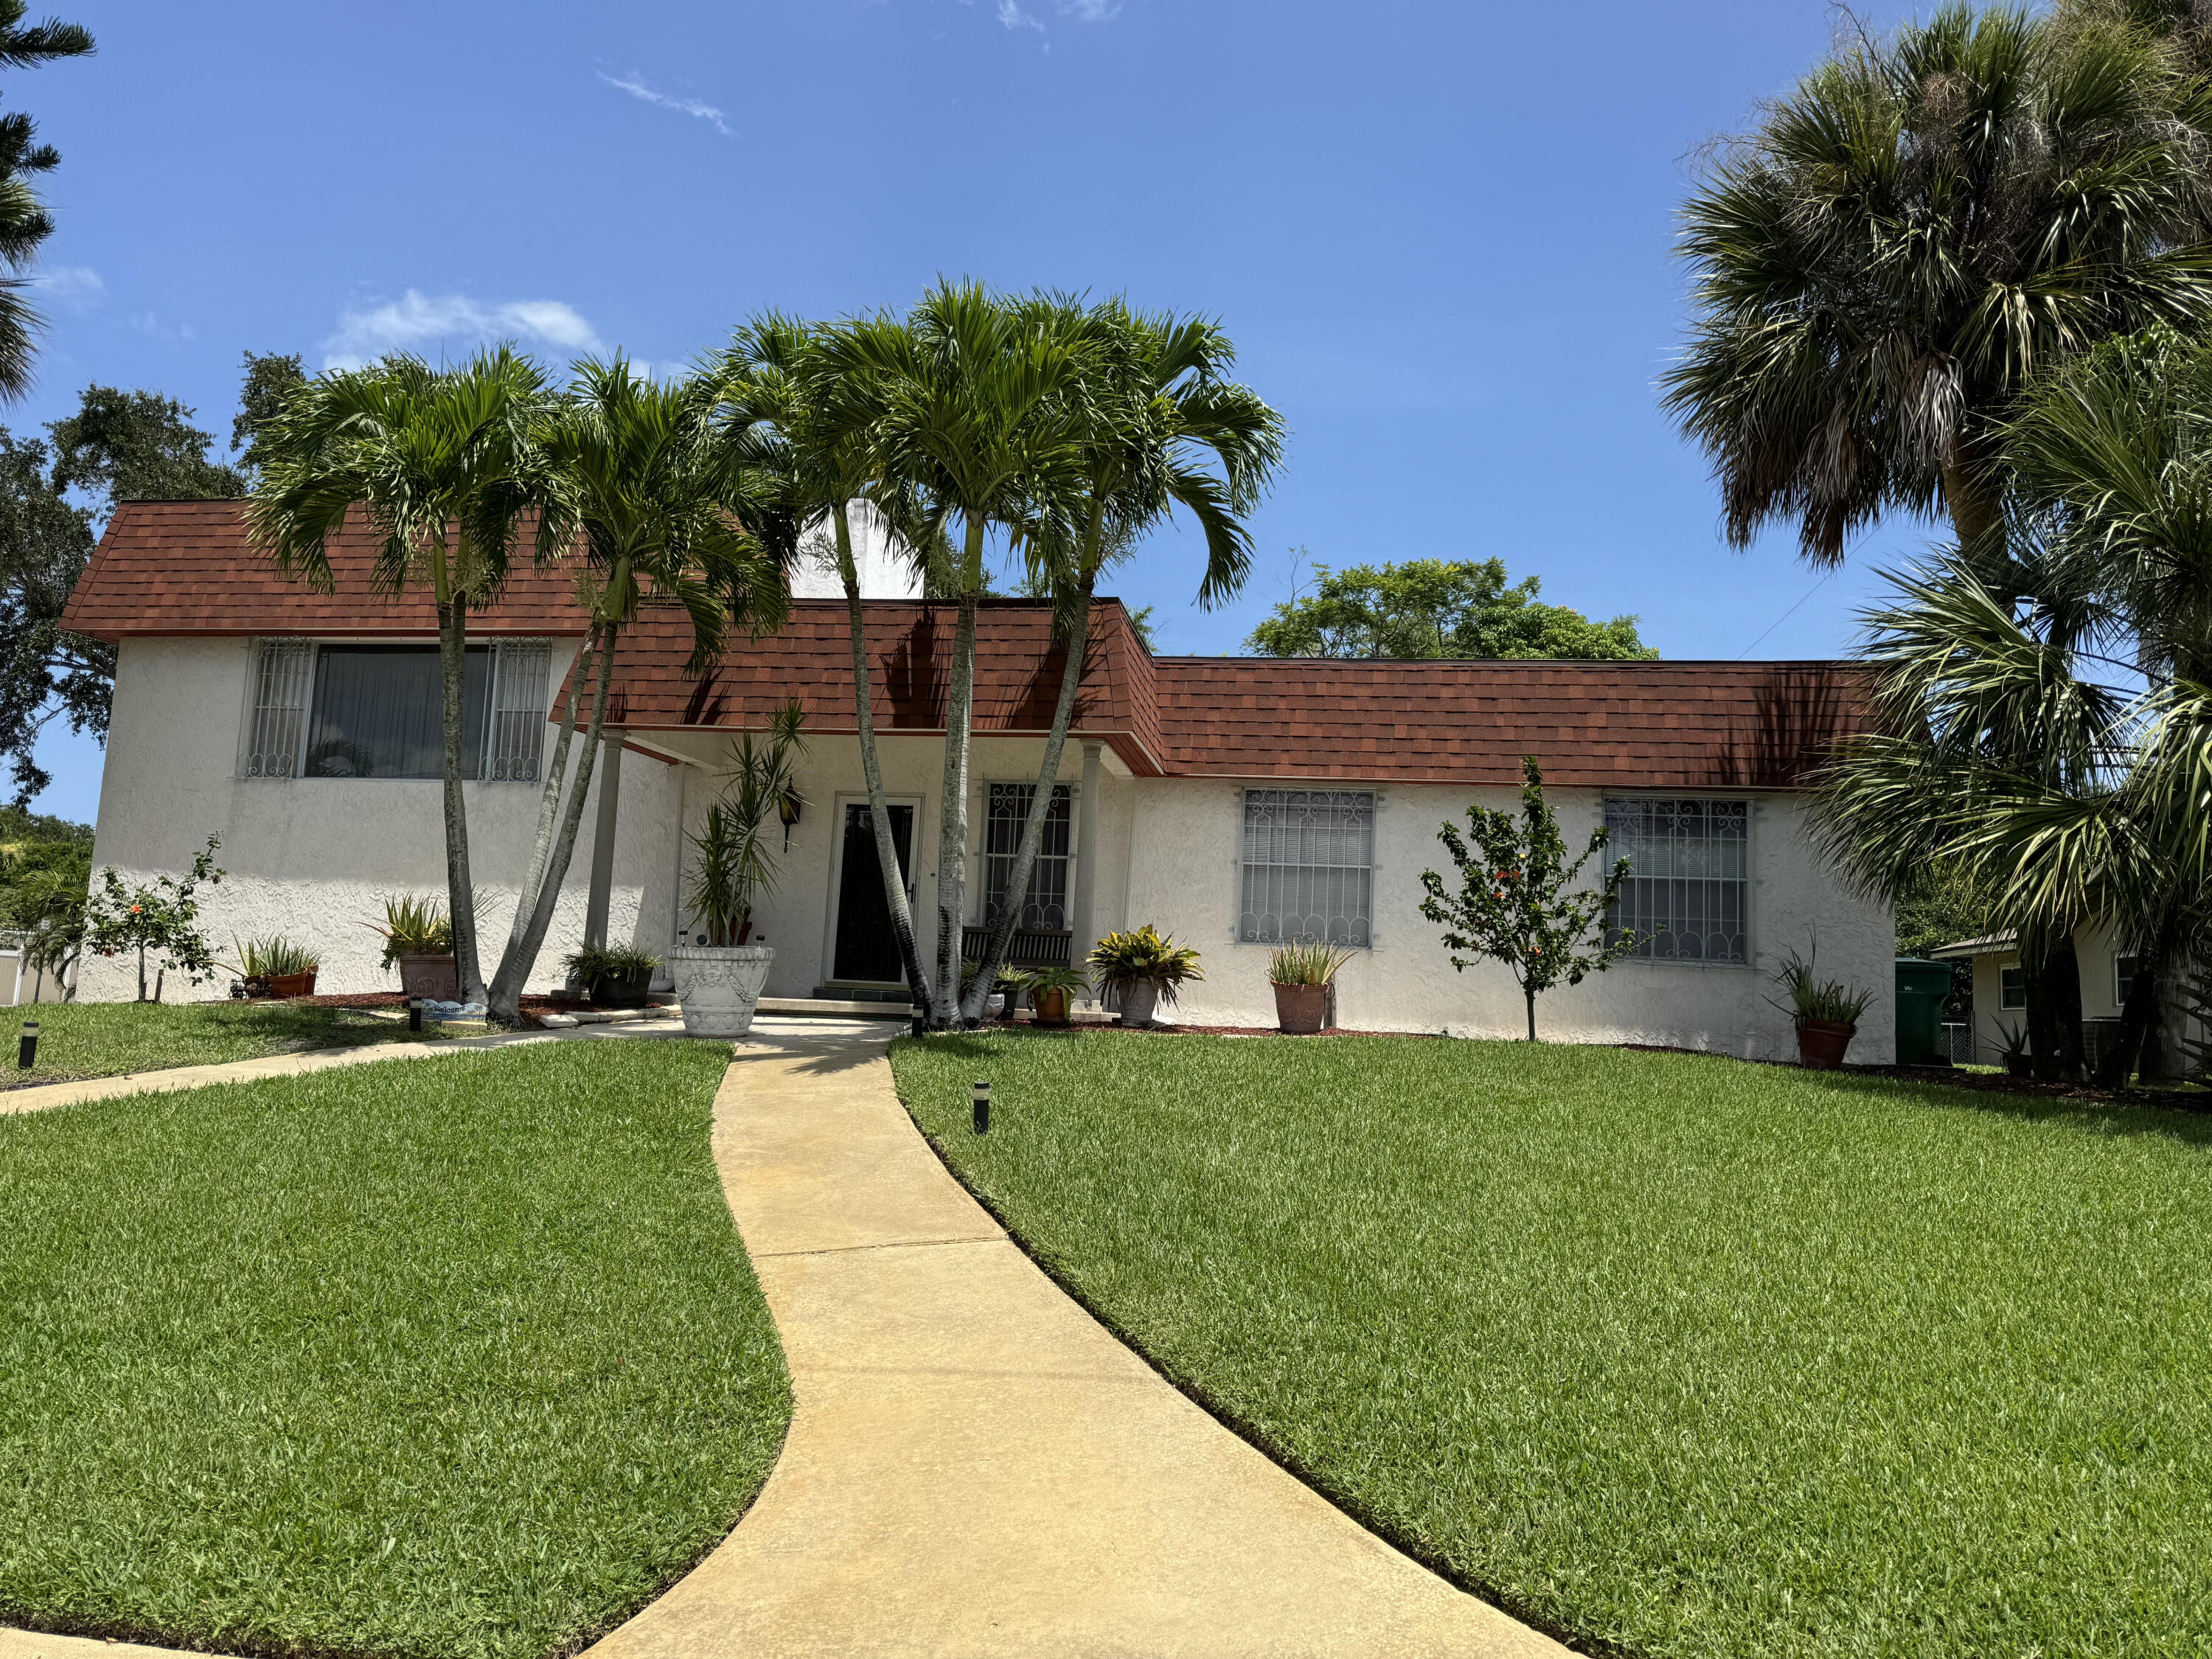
[1044, 906]
[376, 711]
[1308, 866]
[2012, 987]
[2123, 975]
[1687, 895]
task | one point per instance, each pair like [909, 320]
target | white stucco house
[1232, 802]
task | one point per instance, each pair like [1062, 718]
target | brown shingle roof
[186, 568]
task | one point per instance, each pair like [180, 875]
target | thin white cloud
[637, 86]
[1013, 17]
[78, 287]
[1090, 11]
[417, 318]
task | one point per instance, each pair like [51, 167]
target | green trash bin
[1923, 988]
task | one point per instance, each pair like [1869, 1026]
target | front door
[866, 949]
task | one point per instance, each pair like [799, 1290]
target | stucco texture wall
[1185, 875]
[313, 859]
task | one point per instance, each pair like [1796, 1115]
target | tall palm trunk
[872, 771]
[1972, 494]
[461, 893]
[550, 854]
[1018, 880]
[952, 807]
[2051, 975]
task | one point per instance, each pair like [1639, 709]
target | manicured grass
[456, 1357]
[1690, 1356]
[106, 1039]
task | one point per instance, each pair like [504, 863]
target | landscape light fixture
[982, 1108]
[27, 1051]
[414, 1013]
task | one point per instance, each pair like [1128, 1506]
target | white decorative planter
[1137, 999]
[719, 987]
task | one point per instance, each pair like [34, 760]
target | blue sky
[1439, 233]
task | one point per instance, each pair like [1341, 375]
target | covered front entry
[864, 950]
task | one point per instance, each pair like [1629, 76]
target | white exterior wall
[313, 858]
[1185, 881]
[2096, 953]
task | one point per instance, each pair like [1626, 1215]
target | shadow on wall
[1799, 716]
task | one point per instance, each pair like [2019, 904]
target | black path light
[26, 1050]
[414, 1013]
[982, 1107]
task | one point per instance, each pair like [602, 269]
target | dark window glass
[377, 712]
[2012, 987]
[1044, 907]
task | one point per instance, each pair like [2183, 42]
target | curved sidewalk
[975, 1465]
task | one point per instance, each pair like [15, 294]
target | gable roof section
[1604, 725]
[186, 568]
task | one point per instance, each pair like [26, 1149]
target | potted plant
[1827, 1012]
[272, 966]
[1050, 990]
[1304, 973]
[1141, 970]
[2014, 1053]
[613, 976]
[720, 979]
[418, 938]
[1006, 995]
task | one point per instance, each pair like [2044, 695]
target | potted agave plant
[734, 858]
[613, 976]
[1050, 991]
[418, 939]
[273, 966]
[1304, 973]
[1826, 1012]
[1141, 970]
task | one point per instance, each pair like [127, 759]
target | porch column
[1086, 860]
[602, 843]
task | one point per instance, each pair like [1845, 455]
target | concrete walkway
[976, 1467]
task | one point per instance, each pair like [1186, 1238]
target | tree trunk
[872, 771]
[1530, 993]
[2052, 976]
[952, 810]
[142, 973]
[1018, 883]
[460, 894]
[505, 1003]
[1972, 496]
[2138, 1025]
[549, 806]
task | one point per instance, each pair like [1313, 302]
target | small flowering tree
[1514, 905]
[159, 918]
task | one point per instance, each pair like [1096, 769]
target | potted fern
[719, 980]
[1827, 1012]
[1141, 970]
[1304, 973]
[418, 939]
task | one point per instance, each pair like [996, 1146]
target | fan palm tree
[1925, 223]
[806, 419]
[642, 475]
[971, 414]
[25, 224]
[444, 465]
[1158, 425]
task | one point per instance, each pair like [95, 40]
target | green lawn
[105, 1039]
[1690, 1356]
[449, 1358]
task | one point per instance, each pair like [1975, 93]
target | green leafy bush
[1143, 953]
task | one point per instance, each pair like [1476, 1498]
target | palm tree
[967, 415]
[25, 224]
[642, 475]
[444, 465]
[805, 419]
[1922, 225]
[1152, 408]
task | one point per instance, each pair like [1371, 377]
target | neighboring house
[2106, 969]
[1233, 802]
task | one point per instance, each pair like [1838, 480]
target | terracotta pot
[1821, 1042]
[719, 986]
[1301, 1010]
[430, 974]
[292, 985]
[2020, 1066]
[1138, 998]
[1051, 1005]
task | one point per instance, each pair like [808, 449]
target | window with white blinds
[375, 711]
[1688, 897]
[1308, 866]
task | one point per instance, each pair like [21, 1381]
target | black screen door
[866, 948]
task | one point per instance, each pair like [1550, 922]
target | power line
[1784, 616]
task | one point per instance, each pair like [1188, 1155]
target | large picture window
[376, 711]
[1308, 866]
[1687, 895]
[1044, 906]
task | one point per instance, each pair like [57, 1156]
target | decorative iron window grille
[1308, 866]
[276, 713]
[517, 738]
[1687, 895]
[1044, 906]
